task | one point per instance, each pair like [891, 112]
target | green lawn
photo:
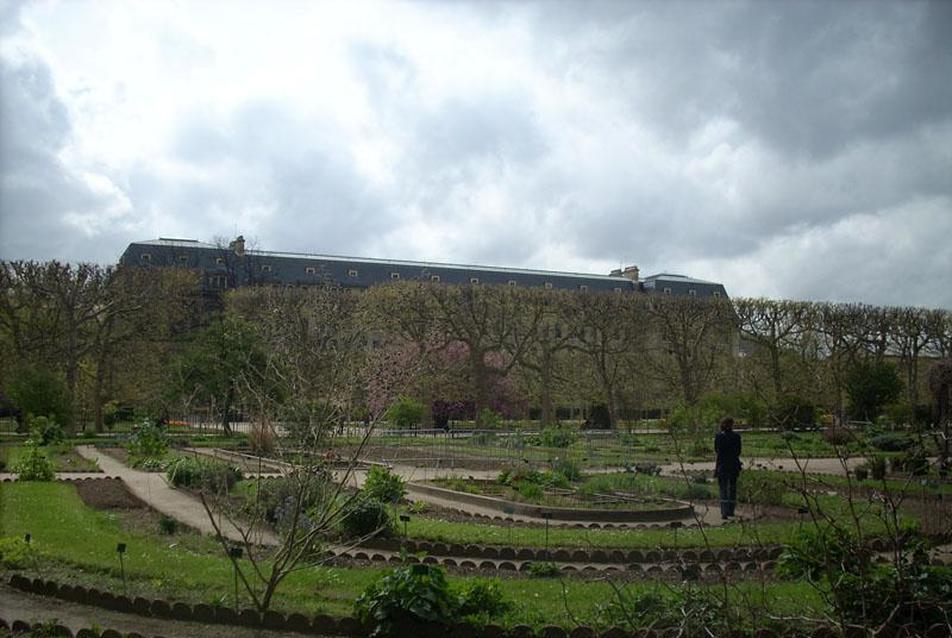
[78, 543]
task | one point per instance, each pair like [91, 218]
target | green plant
[34, 465]
[530, 491]
[544, 569]
[861, 473]
[558, 437]
[870, 386]
[407, 597]
[891, 442]
[148, 441]
[791, 412]
[45, 431]
[168, 525]
[913, 461]
[567, 469]
[213, 476]
[383, 485]
[406, 412]
[418, 507]
[367, 517]
[696, 492]
[877, 467]
[481, 599]
[488, 419]
[14, 553]
[40, 392]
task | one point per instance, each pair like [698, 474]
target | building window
[395, 275]
[717, 293]
[667, 291]
[583, 287]
[266, 268]
[183, 258]
[617, 289]
[474, 280]
[310, 270]
[146, 257]
[512, 282]
[692, 292]
[351, 273]
[548, 285]
[435, 278]
[218, 281]
[219, 260]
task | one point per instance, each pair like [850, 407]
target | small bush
[877, 467]
[861, 473]
[367, 517]
[544, 569]
[148, 441]
[14, 553]
[46, 431]
[34, 465]
[838, 436]
[279, 496]
[792, 413]
[530, 491]
[482, 598]
[567, 469]
[406, 412]
[556, 437]
[213, 476]
[411, 595]
[891, 442]
[261, 439]
[701, 447]
[168, 525]
[488, 419]
[383, 485]
[695, 492]
[912, 461]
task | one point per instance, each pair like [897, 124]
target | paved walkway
[152, 488]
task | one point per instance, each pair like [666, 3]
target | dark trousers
[727, 485]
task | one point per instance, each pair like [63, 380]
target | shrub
[367, 517]
[559, 437]
[34, 465]
[213, 476]
[861, 473]
[530, 491]
[913, 461]
[792, 413]
[568, 469]
[261, 439]
[877, 467]
[277, 496]
[148, 441]
[411, 595]
[695, 492]
[45, 431]
[838, 436]
[544, 569]
[891, 442]
[168, 525]
[383, 485]
[488, 419]
[39, 392]
[701, 447]
[406, 412]
[14, 553]
[760, 489]
[482, 598]
[870, 386]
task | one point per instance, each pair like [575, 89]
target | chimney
[238, 245]
[630, 272]
[615, 273]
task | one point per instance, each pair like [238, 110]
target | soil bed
[106, 494]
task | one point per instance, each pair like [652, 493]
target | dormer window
[219, 260]
[667, 291]
[512, 282]
[266, 268]
[310, 270]
[617, 289]
[717, 293]
[352, 273]
[692, 292]
[474, 280]
[395, 276]
[183, 259]
[435, 278]
[548, 285]
[583, 287]
[145, 258]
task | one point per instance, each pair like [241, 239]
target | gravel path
[152, 488]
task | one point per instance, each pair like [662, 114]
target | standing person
[727, 446]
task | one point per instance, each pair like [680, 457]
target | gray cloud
[792, 149]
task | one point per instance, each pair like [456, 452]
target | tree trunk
[548, 411]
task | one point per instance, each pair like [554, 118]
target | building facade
[233, 266]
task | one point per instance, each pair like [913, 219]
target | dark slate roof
[682, 285]
[285, 268]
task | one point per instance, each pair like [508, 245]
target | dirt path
[18, 605]
[152, 488]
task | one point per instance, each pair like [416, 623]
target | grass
[77, 543]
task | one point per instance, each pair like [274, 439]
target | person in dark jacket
[727, 446]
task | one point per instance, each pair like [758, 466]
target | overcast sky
[786, 149]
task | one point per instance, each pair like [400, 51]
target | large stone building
[232, 266]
